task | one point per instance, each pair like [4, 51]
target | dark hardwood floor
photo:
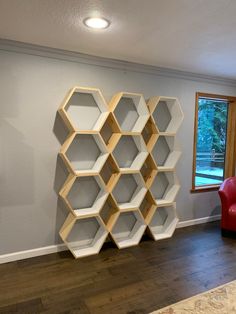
[135, 280]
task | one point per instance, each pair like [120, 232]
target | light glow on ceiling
[96, 22]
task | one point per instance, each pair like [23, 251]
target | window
[214, 141]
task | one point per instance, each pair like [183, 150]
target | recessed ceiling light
[96, 22]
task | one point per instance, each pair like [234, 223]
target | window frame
[230, 159]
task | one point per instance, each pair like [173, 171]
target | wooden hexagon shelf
[128, 228]
[84, 236]
[130, 111]
[84, 195]
[121, 160]
[166, 152]
[84, 153]
[163, 222]
[130, 152]
[84, 109]
[167, 114]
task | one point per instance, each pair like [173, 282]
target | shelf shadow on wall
[16, 167]
[61, 174]
[60, 130]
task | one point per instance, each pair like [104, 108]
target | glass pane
[211, 141]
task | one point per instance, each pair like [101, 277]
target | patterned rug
[221, 300]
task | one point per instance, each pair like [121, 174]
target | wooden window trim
[230, 159]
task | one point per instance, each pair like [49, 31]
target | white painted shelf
[163, 222]
[84, 195]
[84, 153]
[165, 188]
[129, 191]
[84, 109]
[128, 229]
[167, 113]
[166, 152]
[130, 152]
[130, 111]
[84, 236]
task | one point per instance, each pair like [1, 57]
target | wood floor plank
[136, 280]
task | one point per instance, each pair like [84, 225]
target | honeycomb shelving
[167, 114]
[84, 236]
[166, 152]
[150, 133]
[109, 212]
[163, 222]
[165, 187]
[129, 190]
[84, 109]
[121, 160]
[84, 195]
[148, 207]
[128, 228]
[84, 153]
[110, 131]
[130, 152]
[149, 170]
[130, 111]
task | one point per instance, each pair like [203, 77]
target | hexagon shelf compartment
[84, 153]
[150, 133]
[129, 191]
[130, 111]
[149, 170]
[109, 212]
[163, 222]
[128, 229]
[84, 195]
[110, 132]
[121, 160]
[166, 152]
[167, 113]
[165, 188]
[130, 152]
[84, 109]
[147, 207]
[110, 172]
[83, 236]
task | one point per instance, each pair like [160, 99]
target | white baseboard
[16, 256]
[198, 221]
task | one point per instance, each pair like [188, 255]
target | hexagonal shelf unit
[84, 109]
[163, 222]
[166, 152]
[149, 170]
[110, 172]
[84, 195]
[109, 212]
[84, 153]
[128, 229]
[147, 207]
[150, 133]
[167, 113]
[130, 110]
[110, 132]
[130, 152]
[129, 191]
[165, 188]
[84, 236]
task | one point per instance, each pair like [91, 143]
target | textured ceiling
[189, 35]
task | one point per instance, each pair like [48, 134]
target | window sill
[205, 189]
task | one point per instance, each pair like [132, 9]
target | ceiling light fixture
[96, 22]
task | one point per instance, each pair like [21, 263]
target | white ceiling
[190, 35]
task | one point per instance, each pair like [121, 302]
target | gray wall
[31, 89]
